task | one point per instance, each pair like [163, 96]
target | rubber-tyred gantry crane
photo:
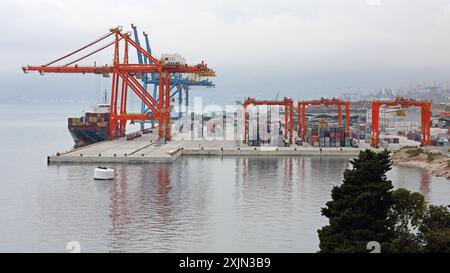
[301, 113]
[124, 77]
[425, 107]
[288, 104]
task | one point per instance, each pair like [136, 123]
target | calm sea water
[197, 204]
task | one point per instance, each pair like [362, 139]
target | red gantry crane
[301, 112]
[288, 103]
[124, 77]
[425, 107]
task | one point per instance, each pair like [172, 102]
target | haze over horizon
[302, 49]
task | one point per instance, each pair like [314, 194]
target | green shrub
[430, 156]
[414, 152]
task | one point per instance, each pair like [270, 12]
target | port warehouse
[318, 128]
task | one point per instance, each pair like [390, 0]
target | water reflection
[425, 179]
[420, 180]
[196, 204]
[163, 189]
[103, 187]
[119, 208]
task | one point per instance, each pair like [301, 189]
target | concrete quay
[146, 150]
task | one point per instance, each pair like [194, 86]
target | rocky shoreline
[427, 158]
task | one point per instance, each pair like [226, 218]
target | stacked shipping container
[321, 135]
[100, 120]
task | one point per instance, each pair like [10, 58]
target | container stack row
[319, 135]
[91, 119]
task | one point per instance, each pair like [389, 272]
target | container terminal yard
[289, 126]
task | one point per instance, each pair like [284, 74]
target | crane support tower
[288, 104]
[301, 112]
[124, 77]
[179, 82]
[425, 107]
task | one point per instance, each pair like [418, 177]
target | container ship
[92, 127]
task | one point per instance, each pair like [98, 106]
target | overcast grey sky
[300, 48]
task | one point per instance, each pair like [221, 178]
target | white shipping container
[173, 59]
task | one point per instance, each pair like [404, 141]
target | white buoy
[103, 173]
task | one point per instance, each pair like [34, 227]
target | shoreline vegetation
[365, 213]
[428, 158]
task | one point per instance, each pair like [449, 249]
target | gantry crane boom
[130, 68]
[152, 77]
[178, 81]
[125, 73]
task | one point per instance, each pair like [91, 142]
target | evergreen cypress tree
[359, 208]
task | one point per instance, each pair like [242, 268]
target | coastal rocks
[427, 158]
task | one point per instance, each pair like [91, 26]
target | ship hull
[85, 136]
[90, 128]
